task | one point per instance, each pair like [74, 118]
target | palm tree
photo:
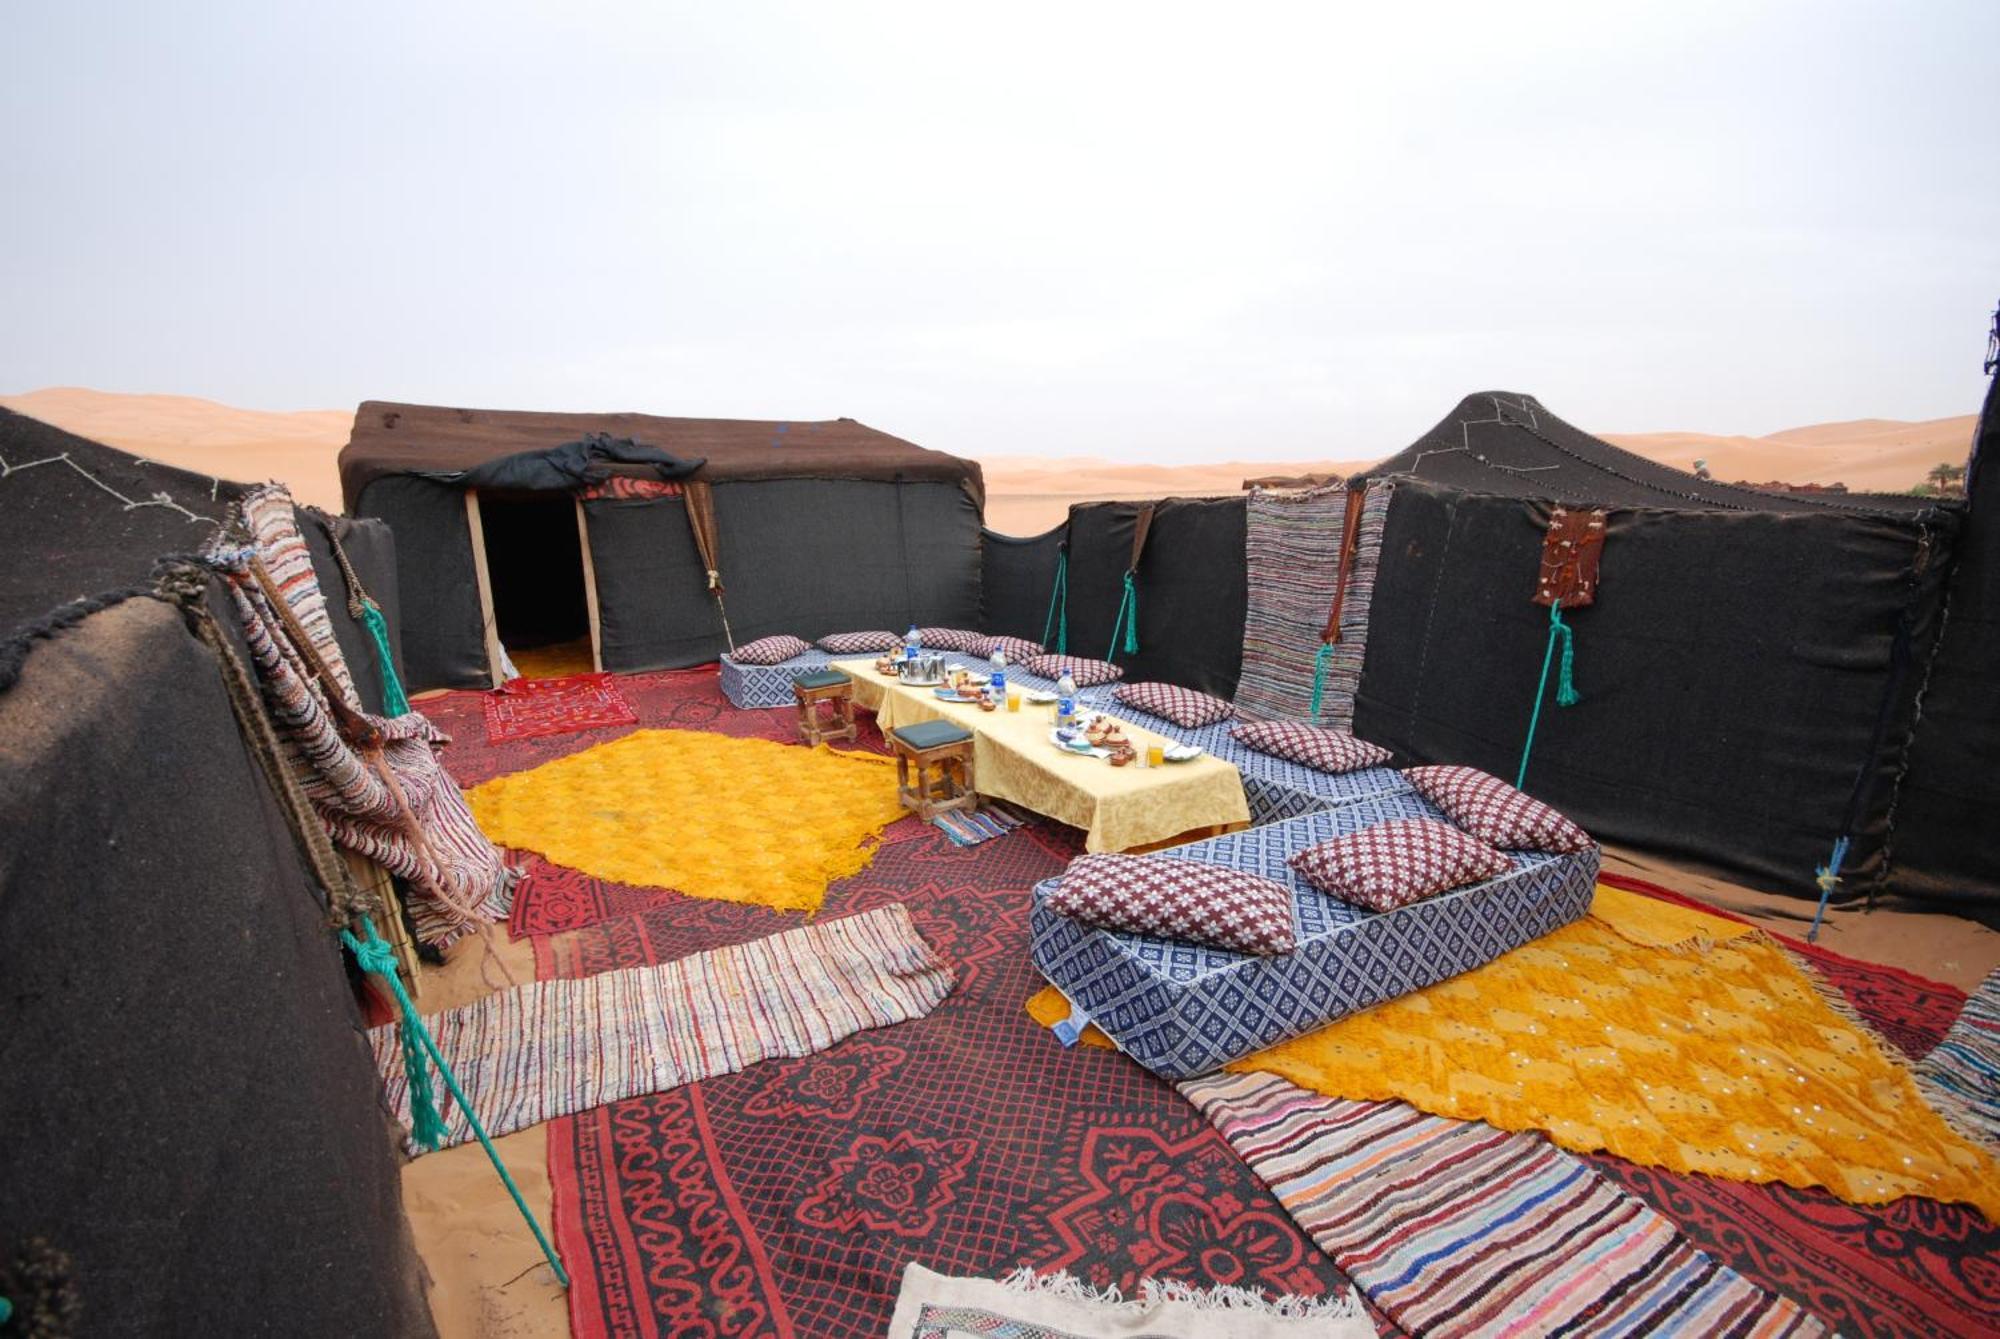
[1945, 478]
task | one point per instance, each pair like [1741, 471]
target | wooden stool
[828, 685]
[938, 744]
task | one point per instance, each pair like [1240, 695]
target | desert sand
[1026, 495]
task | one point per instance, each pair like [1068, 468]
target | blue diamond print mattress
[768, 685]
[1183, 1009]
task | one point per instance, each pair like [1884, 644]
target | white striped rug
[1456, 1229]
[1961, 1075]
[554, 1047]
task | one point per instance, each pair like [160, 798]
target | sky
[1149, 232]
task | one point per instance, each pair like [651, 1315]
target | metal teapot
[926, 668]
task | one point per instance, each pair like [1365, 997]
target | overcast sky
[1147, 232]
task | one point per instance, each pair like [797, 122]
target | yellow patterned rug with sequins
[740, 820]
[1661, 1035]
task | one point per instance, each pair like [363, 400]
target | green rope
[375, 955]
[6, 1311]
[1058, 619]
[1320, 662]
[1127, 620]
[1566, 694]
[393, 701]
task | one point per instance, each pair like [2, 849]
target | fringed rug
[741, 820]
[1962, 1071]
[1028, 1305]
[970, 829]
[1460, 1230]
[788, 1199]
[549, 1048]
[531, 708]
[1293, 543]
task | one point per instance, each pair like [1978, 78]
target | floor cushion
[1170, 701]
[949, 639]
[770, 650]
[1178, 899]
[1495, 812]
[1087, 673]
[1018, 650]
[1311, 745]
[859, 643]
[1394, 864]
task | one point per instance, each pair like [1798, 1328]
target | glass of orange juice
[1156, 755]
[1013, 699]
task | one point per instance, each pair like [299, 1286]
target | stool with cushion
[825, 686]
[942, 745]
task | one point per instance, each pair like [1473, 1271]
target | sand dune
[1026, 494]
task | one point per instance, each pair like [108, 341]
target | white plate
[1055, 737]
[1040, 698]
[1181, 752]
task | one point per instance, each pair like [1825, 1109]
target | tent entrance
[537, 592]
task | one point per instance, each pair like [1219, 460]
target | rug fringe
[1222, 1298]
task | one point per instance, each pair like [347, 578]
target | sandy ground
[1026, 495]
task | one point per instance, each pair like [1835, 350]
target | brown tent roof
[393, 438]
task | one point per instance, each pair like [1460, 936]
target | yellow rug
[554, 662]
[1661, 1035]
[740, 820]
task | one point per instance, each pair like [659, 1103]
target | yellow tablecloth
[1118, 808]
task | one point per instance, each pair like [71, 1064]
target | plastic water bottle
[1065, 699]
[912, 643]
[997, 685]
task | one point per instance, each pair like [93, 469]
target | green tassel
[1566, 694]
[375, 955]
[1131, 604]
[393, 701]
[1320, 662]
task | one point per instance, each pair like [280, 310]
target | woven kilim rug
[1963, 1070]
[992, 820]
[786, 1200]
[549, 1048]
[1293, 549]
[529, 708]
[1460, 1230]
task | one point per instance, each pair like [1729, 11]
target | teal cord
[375, 955]
[6, 1311]
[1320, 662]
[1127, 620]
[1058, 619]
[1566, 694]
[393, 701]
[1557, 630]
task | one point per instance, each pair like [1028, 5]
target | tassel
[1131, 603]
[375, 955]
[1566, 694]
[393, 701]
[1320, 662]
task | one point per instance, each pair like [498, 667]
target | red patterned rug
[1915, 1267]
[787, 1199]
[531, 708]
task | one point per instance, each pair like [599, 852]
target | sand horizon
[1026, 494]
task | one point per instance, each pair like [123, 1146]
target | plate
[1040, 698]
[947, 695]
[1081, 748]
[1181, 752]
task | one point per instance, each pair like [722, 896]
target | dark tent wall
[1191, 584]
[1018, 577]
[443, 636]
[1732, 671]
[1944, 845]
[801, 556]
[190, 1111]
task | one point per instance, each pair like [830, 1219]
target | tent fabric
[1017, 577]
[1507, 443]
[1732, 670]
[1949, 791]
[443, 635]
[390, 439]
[1191, 581]
[576, 464]
[190, 1111]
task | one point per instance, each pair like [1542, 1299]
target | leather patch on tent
[1570, 552]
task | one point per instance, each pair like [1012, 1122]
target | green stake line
[1058, 600]
[371, 957]
[1541, 687]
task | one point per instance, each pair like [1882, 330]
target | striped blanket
[1456, 1229]
[1293, 551]
[550, 1048]
[1961, 1076]
[457, 876]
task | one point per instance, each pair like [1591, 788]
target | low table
[1118, 808]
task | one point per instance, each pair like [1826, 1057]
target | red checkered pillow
[1399, 862]
[1178, 899]
[769, 650]
[1182, 706]
[859, 643]
[949, 639]
[1494, 811]
[1087, 673]
[1019, 650]
[1311, 745]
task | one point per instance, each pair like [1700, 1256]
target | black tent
[804, 528]
[1747, 674]
[191, 1116]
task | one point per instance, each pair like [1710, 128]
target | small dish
[1181, 752]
